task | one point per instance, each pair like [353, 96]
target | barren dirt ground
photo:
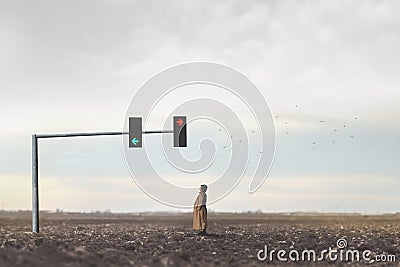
[167, 239]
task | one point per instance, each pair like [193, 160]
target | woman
[200, 211]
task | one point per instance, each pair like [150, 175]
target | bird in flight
[314, 143]
[321, 121]
[335, 130]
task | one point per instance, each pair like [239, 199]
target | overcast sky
[75, 65]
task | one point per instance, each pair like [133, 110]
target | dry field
[167, 239]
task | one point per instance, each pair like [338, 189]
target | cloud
[75, 66]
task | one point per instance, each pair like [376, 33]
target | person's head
[203, 188]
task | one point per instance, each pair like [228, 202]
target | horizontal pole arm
[158, 132]
[96, 134]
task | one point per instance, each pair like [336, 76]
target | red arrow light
[179, 123]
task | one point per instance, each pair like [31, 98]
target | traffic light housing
[180, 131]
[135, 132]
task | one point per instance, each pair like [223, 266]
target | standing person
[200, 211]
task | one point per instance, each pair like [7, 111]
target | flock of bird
[286, 123]
[322, 121]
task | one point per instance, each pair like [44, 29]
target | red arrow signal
[179, 122]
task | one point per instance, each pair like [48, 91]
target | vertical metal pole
[35, 185]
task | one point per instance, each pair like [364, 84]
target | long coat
[200, 212]
[199, 218]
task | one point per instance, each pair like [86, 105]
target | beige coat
[199, 218]
[200, 210]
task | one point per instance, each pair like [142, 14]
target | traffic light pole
[35, 187]
[35, 164]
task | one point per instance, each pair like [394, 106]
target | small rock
[81, 250]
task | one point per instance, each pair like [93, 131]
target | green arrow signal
[135, 141]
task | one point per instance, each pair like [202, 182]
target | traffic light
[135, 132]
[180, 131]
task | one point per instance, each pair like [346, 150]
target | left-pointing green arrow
[135, 141]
